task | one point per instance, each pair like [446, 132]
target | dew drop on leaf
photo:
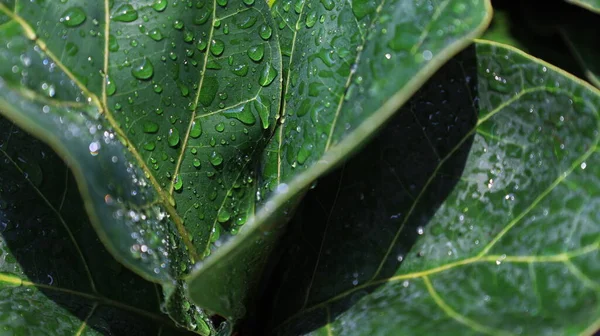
[265, 32]
[155, 34]
[159, 5]
[110, 86]
[173, 138]
[223, 216]
[257, 52]
[144, 70]
[149, 146]
[196, 130]
[215, 158]
[125, 13]
[268, 75]
[217, 47]
[150, 127]
[73, 17]
[178, 183]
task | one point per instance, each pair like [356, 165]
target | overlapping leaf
[348, 67]
[166, 111]
[56, 277]
[190, 88]
[501, 209]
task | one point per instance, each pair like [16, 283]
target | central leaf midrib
[197, 98]
[555, 258]
[115, 125]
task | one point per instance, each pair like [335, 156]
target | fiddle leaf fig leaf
[161, 108]
[192, 127]
[348, 66]
[454, 222]
[56, 277]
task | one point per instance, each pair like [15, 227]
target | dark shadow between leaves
[360, 221]
[534, 27]
[70, 283]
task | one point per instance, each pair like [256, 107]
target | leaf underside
[56, 277]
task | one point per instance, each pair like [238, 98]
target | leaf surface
[170, 115]
[56, 277]
[458, 223]
[190, 89]
[348, 66]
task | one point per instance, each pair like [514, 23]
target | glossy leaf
[168, 114]
[456, 224]
[172, 82]
[56, 277]
[348, 66]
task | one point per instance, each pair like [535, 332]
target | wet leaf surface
[186, 122]
[456, 224]
[56, 277]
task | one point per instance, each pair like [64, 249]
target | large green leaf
[348, 66]
[56, 278]
[454, 224]
[192, 89]
[166, 112]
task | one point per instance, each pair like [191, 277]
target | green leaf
[592, 5]
[454, 222]
[348, 67]
[178, 85]
[56, 278]
[192, 90]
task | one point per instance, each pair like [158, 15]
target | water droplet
[215, 158]
[149, 146]
[241, 113]
[110, 86]
[311, 19]
[150, 127]
[159, 5]
[217, 47]
[155, 34]
[257, 52]
[328, 4]
[196, 130]
[173, 138]
[125, 13]
[268, 75]
[223, 215]
[265, 32]
[94, 148]
[144, 70]
[220, 127]
[178, 183]
[73, 17]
